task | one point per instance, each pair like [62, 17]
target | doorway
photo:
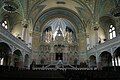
[5, 54]
[59, 56]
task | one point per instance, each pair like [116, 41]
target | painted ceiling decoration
[61, 13]
[59, 23]
[89, 11]
[10, 6]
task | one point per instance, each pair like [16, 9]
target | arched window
[112, 32]
[1, 61]
[4, 24]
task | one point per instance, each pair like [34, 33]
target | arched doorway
[5, 54]
[105, 59]
[17, 58]
[116, 56]
[92, 61]
[26, 61]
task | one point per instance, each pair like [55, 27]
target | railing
[12, 38]
[105, 45]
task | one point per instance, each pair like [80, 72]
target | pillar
[98, 62]
[30, 40]
[24, 32]
[66, 57]
[96, 35]
[114, 64]
[117, 61]
[0, 60]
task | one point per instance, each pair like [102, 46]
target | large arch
[17, 58]
[5, 54]
[105, 59]
[61, 13]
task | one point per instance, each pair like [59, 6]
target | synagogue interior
[60, 39]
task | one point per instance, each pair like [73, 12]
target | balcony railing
[5, 33]
[105, 45]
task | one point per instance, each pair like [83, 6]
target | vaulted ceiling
[88, 10]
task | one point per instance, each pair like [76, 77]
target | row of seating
[105, 74]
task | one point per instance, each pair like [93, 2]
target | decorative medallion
[10, 6]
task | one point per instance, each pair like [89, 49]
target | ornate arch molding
[59, 12]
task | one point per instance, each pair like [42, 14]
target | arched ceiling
[59, 23]
[70, 4]
[88, 10]
[60, 12]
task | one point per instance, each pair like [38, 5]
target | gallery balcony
[108, 45]
[6, 36]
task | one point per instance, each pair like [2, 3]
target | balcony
[6, 35]
[105, 46]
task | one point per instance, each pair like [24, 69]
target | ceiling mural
[59, 23]
[88, 10]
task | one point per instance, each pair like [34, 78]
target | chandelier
[10, 6]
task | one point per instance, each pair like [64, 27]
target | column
[0, 61]
[117, 61]
[24, 32]
[88, 41]
[30, 38]
[65, 57]
[114, 61]
[98, 62]
[114, 64]
[96, 35]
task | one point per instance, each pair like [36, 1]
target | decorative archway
[17, 59]
[5, 54]
[59, 12]
[116, 56]
[105, 59]
[64, 14]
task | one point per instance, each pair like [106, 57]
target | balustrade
[105, 45]
[5, 33]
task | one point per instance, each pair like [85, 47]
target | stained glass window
[4, 24]
[112, 32]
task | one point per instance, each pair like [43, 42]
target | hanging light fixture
[10, 6]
